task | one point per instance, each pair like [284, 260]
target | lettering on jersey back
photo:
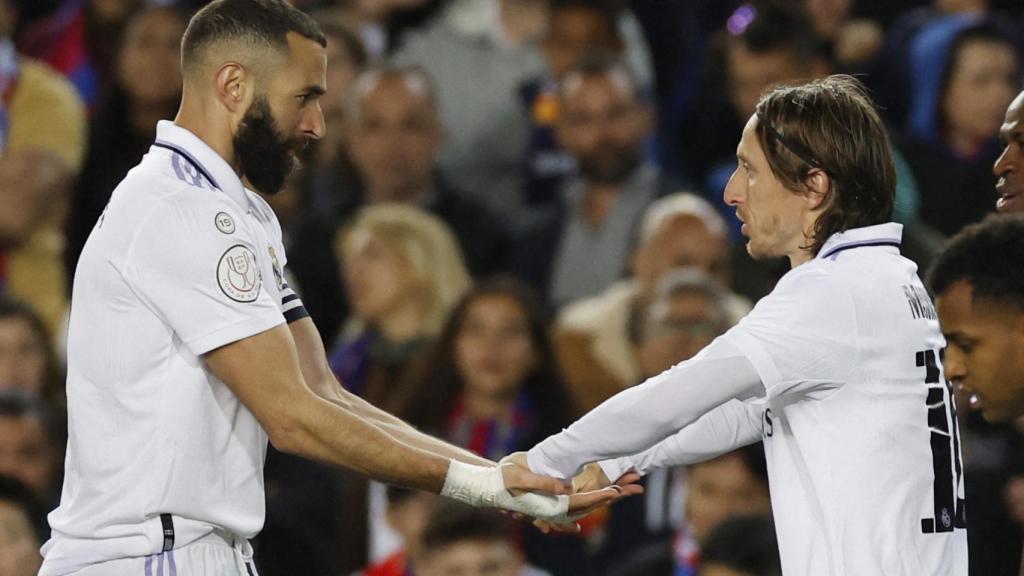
[920, 303]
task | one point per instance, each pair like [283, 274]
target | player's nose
[956, 368]
[313, 124]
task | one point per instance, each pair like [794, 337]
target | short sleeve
[803, 336]
[205, 284]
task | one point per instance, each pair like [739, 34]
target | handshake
[553, 504]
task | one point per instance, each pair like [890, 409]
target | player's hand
[584, 499]
[593, 478]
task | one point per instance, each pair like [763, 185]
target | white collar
[888, 234]
[204, 159]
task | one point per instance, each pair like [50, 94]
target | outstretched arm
[318, 376]
[730, 426]
[640, 417]
[263, 371]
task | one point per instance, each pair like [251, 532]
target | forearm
[403, 431]
[730, 426]
[640, 417]
[333, 434]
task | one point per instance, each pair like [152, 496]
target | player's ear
[819, 184]
[233, 83]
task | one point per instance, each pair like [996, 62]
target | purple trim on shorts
[170, 562]
[149, 566]
[160, 565]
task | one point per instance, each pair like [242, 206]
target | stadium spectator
[479, 52]
[492, 384]
[604, 124]
[599, 340]
[404, 273]
[20, 531]
[966, 73]
[42, 142]
[31, 445]
[578, 30]
[124, 125]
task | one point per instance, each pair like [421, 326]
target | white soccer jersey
[859, 429]
[854, 410]
[184, 260]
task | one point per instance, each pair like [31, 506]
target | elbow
[287, 434]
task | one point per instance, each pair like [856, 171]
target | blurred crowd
[516, 212]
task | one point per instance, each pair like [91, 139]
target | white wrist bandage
[484, 486]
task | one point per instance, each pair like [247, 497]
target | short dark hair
[452, 522]
[746, 544]
[258, 22]
[988, 255]
[832, 125]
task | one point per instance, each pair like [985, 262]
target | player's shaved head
[242, 30]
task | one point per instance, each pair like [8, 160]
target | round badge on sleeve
[225, 223]
[238, 274]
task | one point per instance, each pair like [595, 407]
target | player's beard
[264, 156]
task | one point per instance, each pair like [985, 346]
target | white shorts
[216, 554]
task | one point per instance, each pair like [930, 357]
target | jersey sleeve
[640, 417]
[801, 338]
[730, 426]
[291, 304]
[204, 283]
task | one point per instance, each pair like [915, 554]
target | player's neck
[800, 257]
[213, 132]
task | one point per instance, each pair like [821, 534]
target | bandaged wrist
[484, 486]
[472, 484]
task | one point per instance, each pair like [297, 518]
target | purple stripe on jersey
[850, 245]
[187, 173]
[192, 160]
[149, 566]
[170, 562]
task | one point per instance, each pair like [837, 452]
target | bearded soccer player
[187, 349]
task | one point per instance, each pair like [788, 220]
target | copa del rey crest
[238, 274]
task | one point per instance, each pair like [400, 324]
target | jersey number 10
[945, 441]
